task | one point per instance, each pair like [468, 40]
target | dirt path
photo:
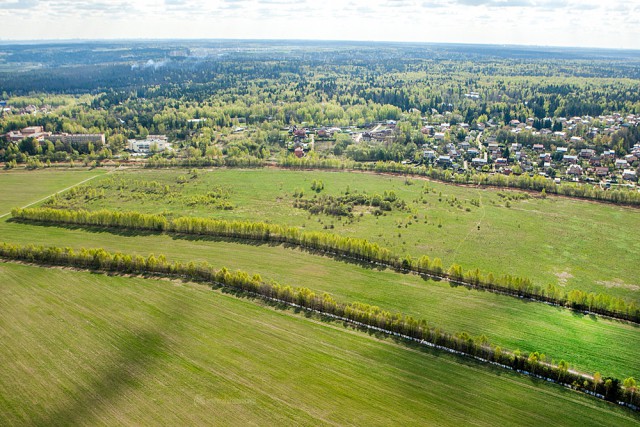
[57, 192]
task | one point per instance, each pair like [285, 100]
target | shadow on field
[87, 228]
[137, 354]
[204, 238]
[457, 359]
[289, 246]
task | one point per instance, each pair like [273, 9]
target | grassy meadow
[572, 243]
[590, 343]
[20, 187]
[87, 349]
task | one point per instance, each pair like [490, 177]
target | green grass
[589, 343]
[572, 243]
[20, 187]
[87, 349]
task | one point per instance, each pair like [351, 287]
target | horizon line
[407, 42]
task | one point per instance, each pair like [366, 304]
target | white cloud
[18, 4]
[533, 22]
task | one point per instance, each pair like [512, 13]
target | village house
[429, 154]
[427, 130]
[444, 160]
[299, 133]
[621, 164]
[595, 161]
[600, 171]
[574, 170]
[494, 149]
[587, 153]
[478, 161]
[322, 133]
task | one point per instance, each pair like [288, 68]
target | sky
[581, 23]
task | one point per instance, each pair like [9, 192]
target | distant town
[569, 153]
[558, 148]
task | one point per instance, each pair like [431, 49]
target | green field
[589, 343]
[86, 349]
[19, 188]
[184, 337]
[557, 240]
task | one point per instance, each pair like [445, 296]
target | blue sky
[586, 23]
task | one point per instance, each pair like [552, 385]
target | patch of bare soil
[563, 277]
[617, 283]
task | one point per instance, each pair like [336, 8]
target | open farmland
[589, 343]
[301, 232]
[551, 240]
[91, 349]
[20, 188]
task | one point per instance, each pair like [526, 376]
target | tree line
[354, 248]
[406, 326]
[207, 161]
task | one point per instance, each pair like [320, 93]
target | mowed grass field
[89, 349]
[19, 187]
[572, 243]
[589, 343]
